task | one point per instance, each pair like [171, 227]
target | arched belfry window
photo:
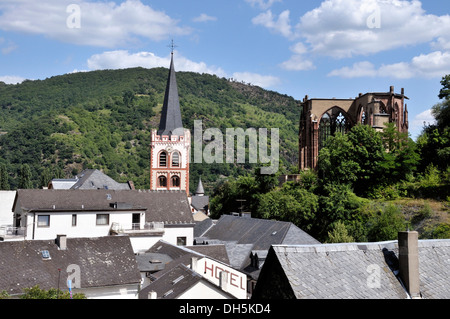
[163, 159]
[333, 121]
[162, 181]
[176, 159]
[175, 181]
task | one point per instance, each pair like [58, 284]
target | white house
[6, 214]
[144, 216]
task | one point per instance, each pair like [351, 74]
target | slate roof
[242, 236]
[261, 233]
[95, 179]
[179, 259]
[169, 207]
[171, 114]
[217, 252]
[103, 261]
[90, 179]
[172, 283]
[200, 202]
[343, 271]
[434, 268]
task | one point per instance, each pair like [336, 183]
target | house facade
[144, 216]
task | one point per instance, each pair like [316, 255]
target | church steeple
[171, 114]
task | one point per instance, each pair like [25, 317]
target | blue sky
[323, 49]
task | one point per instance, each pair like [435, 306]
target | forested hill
[103, 119]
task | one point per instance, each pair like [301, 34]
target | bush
[38, 293]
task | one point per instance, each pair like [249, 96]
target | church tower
[171, 143]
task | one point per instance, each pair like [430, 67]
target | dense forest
[103, 119]
[369, 185]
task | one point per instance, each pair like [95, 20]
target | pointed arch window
[333, 121]
[176, 159]
[162, 181]
[163, 159]
[175, 181]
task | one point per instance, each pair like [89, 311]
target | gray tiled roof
[95, 179]
[172, 283]
[103, 261]
[434, 268]
[242, 235]
[261, 233]
[170, 207]
[346, 271]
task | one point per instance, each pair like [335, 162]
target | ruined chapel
[321, 118]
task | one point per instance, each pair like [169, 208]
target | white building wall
[119, 292]
[171, 234]
[6, 204]
[61, 223]
[202, 290]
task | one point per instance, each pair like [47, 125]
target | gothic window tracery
[333, 121]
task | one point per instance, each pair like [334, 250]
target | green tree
[339, 234]
[434, 142]
[400, 157]
[386, 224]
[25, 177]
[4, 182]
[291, 203]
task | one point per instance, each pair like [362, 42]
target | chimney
[223, 280]
[152, 295]
[408, 244]
[61, 241]
[194, 263]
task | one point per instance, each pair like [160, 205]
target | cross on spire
[172, 46]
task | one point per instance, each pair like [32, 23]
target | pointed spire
[200, 191]
[171, 114]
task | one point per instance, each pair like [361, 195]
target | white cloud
[264, 81]
[204, 18]
[282, 25]
[297, 63]
[433, 65]
[104, 24]
[359, 69]
[340, 28]
[122, 59]
[11, 79]
[264, 5]
[419, 121]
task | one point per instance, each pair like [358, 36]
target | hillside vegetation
[103, 119]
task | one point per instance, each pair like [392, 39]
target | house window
[162, 181]
[176, 159]
[175, 181]
[163, 159]
[102, 219]
[74, 219]
[43, 221]
[181, 241]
